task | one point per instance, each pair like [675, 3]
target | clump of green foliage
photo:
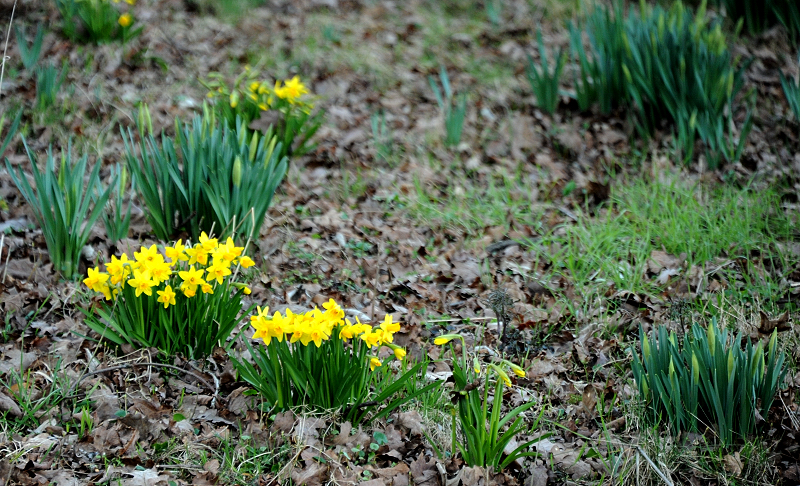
[671, 66]
[97, 21]
[208, 178]
[710, 381]
[29, 54]
[791, 89]
[453, 109]
[544, 83]
[62, 205]
[760, 15]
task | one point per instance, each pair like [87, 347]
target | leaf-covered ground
[589, 230]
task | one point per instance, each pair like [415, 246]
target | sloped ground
[591, 233]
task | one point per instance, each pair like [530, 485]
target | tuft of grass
[544, 83]
[750, 463]
[453, 109]
[29, 54]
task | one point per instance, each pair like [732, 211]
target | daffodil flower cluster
[323, 360]
[283, 106]
[249, 96]
[97, 20]
[317, 326]
[179, 299]
[180, 269]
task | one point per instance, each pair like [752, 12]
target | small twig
[655, 468]
[5, 49]
[131, 365]
[5, 267]
[434, 321]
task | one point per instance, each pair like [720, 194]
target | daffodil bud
[731, 362]
[234, 99]
[758, 360]
[730, 84]
[695, 368]
[693, 120]
[237, 171]
[123, 177]
[502, 374]
[773, 341]
[671, 367]
[712, 339]
[516, 369]
[253, 146]
[148, 119]
[270, 150]
[645, 348]
[627, 73]
[142, 123]
[476, 365]
[445, 338]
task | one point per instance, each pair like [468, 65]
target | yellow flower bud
[445, 338]
[234, 99]
[517, 370]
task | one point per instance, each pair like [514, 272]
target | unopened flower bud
[237, 171]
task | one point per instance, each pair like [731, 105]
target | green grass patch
[679, 218]
[469, 206]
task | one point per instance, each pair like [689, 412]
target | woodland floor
[554, 210]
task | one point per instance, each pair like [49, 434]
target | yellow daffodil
[176, 253]
[166, 296]
[372, 338]
[217, 272]
[246, 262]
[117, 265]
[96, 279]
[209, 244]
[108, 292]
[142, 283]
[388, 326]
[125, 20]
[146, 255]
[292, 90]
[374, 363]
[399, 353]
[333, 309]
[159, 271]
[197, 254]
[192, 277]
